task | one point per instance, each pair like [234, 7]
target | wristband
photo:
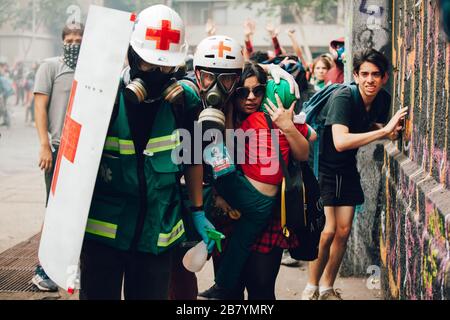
[196, 209]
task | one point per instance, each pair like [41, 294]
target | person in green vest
[135, 217]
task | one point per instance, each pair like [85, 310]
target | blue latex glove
[201, 224]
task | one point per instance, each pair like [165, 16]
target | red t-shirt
[261, 159]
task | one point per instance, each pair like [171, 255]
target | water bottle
[195, 258]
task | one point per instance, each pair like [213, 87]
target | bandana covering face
[71, 52]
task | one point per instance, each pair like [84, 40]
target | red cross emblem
[221, 48]
[163, 37]
[69, 138]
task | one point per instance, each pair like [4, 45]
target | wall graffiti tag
[414, 233]
[375, 13]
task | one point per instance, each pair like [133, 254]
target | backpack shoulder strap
[280, 156]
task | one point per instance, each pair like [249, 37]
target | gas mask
[151, 85]
[216, 89]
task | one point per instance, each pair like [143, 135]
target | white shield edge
[101, 59]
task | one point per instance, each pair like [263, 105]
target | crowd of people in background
[16, 90]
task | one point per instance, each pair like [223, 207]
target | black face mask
[145, 85]
[71, 52]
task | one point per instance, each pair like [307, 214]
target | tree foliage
[297, 7]
[52, 14]
[130, 5]
[6, 7]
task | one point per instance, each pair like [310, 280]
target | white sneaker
[331, 294]
[309, 294]
[290, 262]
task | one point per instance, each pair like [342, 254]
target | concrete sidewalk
[289, 286]
[22, 197]
[22, 190]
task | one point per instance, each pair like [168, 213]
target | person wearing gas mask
[218, 64]
[135, 217]
[51, 93]
[336, 73]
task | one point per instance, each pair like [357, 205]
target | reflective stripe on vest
[166, 239]
[164, 143]
[125, 147]
[100, 228]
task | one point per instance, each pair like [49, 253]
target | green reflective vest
[115, 204]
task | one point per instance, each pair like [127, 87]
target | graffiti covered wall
[415, 206]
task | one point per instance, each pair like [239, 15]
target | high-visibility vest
[115, 205]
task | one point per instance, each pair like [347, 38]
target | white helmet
[219, 52]
[158, 36]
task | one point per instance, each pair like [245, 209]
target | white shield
[102, 55]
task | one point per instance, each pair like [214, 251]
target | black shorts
[341, 189]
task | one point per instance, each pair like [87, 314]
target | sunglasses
[258, 91]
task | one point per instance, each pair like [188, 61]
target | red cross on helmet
[219, 52]
[158, 36]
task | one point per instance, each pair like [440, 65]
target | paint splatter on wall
[415, 224]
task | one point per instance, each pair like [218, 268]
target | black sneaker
[214, 293]
[42, 281]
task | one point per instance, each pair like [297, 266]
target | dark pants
[183, 283]
[256, 211]
[258, 276]
[20, 94]
[145, 276]
[4, 112]
[49, 174]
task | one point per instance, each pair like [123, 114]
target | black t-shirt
[341, 109]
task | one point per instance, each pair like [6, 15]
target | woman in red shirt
[256, 183]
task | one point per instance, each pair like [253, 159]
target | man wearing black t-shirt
[353, 118]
